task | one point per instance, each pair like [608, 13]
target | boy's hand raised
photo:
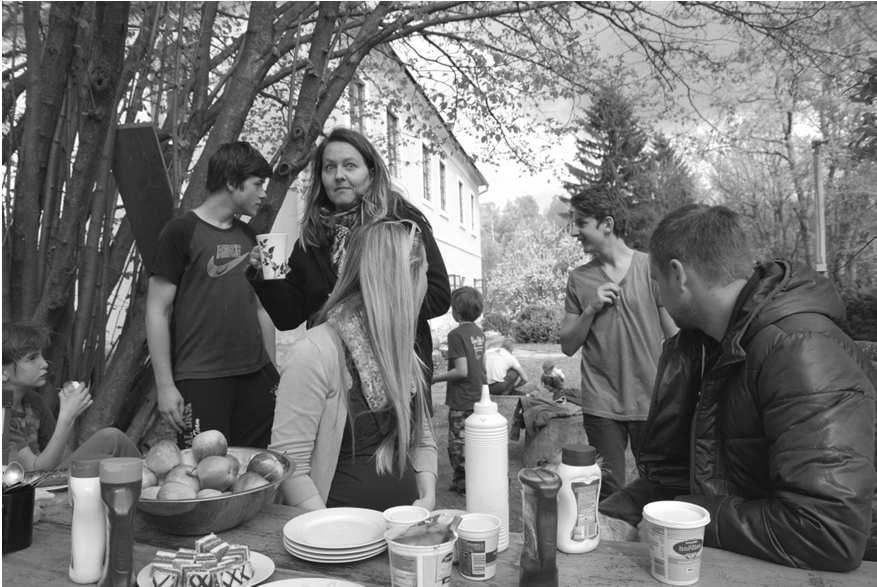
[75, 399]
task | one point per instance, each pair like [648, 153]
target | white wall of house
[429, 167]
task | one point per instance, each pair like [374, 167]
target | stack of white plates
[335, 535]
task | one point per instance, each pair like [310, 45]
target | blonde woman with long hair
[351, 411]
[350, 187]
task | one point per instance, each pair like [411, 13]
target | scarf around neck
[338, 226]
[350, 327]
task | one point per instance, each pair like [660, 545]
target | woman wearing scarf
[351, 410]
[350, 187]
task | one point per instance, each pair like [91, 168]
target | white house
[426, 162]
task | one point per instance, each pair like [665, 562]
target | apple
[209, 493]
[185, 475]
[162, 457]
[176, 491]
[267, 465]
[248, 480]
[187, 458]
[209, 443]
[148, 478]
[150, 492]
[216, 472]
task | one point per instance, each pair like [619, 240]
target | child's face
[29, 371]
[249, 196]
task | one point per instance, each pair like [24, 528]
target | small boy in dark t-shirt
[465, 376]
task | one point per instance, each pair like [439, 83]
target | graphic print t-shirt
[214, 331]
[466, 340]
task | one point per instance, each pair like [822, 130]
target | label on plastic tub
[675, 553]
[421, 570]
[475, 559]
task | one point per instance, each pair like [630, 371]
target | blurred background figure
[553, 380]
[505, 376]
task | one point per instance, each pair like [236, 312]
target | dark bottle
[539, 512]
[120, 482]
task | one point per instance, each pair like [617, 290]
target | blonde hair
[381, 277]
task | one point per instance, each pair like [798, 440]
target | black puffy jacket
[772, 431]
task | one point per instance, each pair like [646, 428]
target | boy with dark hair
[465, 375]
[31, 436]
[210, 341]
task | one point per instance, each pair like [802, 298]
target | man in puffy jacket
[763, 409]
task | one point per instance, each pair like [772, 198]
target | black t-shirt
[215, 331]
[466, 340]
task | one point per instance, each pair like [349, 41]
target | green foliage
[636, 180]
[496, 321]
[861, 320]
[538, 324]
[531, 256]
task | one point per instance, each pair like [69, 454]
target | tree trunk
[97, 86]
[47, 68]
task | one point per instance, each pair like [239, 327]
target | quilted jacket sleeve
[817, 406]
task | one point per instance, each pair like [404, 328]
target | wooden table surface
[45, 563]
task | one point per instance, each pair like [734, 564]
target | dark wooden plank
[141, 176]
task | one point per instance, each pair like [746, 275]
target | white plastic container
[487, 464]
[88, 534]
[420, 565]
[675, 537]
[578, 529]
[477, 540]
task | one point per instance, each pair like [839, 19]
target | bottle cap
[539, 478]
[85, 469]
[121, 470]
[485, 405]
[578, 455]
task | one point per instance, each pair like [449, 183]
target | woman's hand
[426, 502]
[75, 399]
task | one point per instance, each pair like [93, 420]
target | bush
[496, 321]
[861, 320]
[538, 324]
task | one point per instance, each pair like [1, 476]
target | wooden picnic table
[45, 563]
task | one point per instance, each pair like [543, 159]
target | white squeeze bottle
[487, 464]
[88, 533]
[577, 526]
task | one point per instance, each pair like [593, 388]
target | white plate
[334, 560]
[263, 567]
[295, 549]
[333, 551]
[336, 528]
[311, 582]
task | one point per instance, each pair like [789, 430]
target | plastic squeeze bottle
[487, 464]
[578, 498]
[88, 534]
[539, 516]
[120, 482]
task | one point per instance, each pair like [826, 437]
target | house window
[460, 201]
[393, 143]
[356, 97]
[443, 185]
[456, 281]
[478, 284]
[427, 173]
[472, 209]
